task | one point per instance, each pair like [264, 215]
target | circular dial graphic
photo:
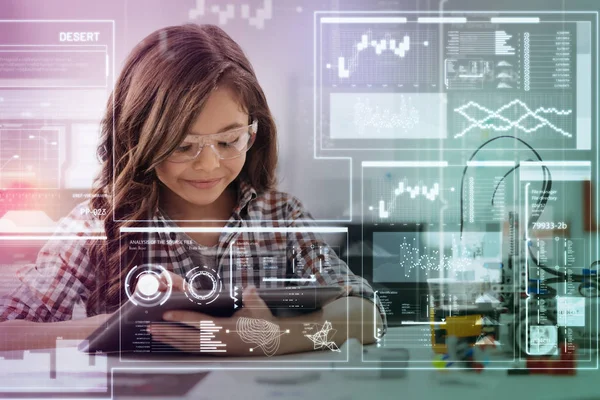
[542, 339]
[202, 285]
[142, 285]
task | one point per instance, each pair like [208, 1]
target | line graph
[543, 120]
[386, 116]
[430, 194]
[228, 12]
[386, 44]
[411, 199]
[379, 55]
[416, 257]
[413, 259]
[366, 116]
[29, 159]
[493, 119]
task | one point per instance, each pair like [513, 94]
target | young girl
[187, 140]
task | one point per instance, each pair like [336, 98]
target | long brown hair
[164, 83]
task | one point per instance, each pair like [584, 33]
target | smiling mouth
[203, 180]
[204, 184]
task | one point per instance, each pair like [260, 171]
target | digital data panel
[453, 156]
[413, 82]
[292, 268]
[475, 173]
[55, 80]
[437, 193]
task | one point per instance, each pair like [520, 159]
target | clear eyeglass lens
[227, 145]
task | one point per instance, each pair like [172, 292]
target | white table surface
[333, 384]
[231, 379]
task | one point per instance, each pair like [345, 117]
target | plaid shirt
[63, 274]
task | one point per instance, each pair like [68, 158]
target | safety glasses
[226, 145]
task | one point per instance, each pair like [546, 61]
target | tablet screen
[126, 330]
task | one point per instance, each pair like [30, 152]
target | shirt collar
[246, 193]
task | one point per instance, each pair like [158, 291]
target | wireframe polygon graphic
[321, 338]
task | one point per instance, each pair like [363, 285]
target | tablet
[125, 330]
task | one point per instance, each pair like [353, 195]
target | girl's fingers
[168, 278]
[162, 285]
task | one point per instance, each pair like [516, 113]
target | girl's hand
[177, 282]
[254, 322]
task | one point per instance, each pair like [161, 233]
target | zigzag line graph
[527, 112]
[368, 117]
[397, 47]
